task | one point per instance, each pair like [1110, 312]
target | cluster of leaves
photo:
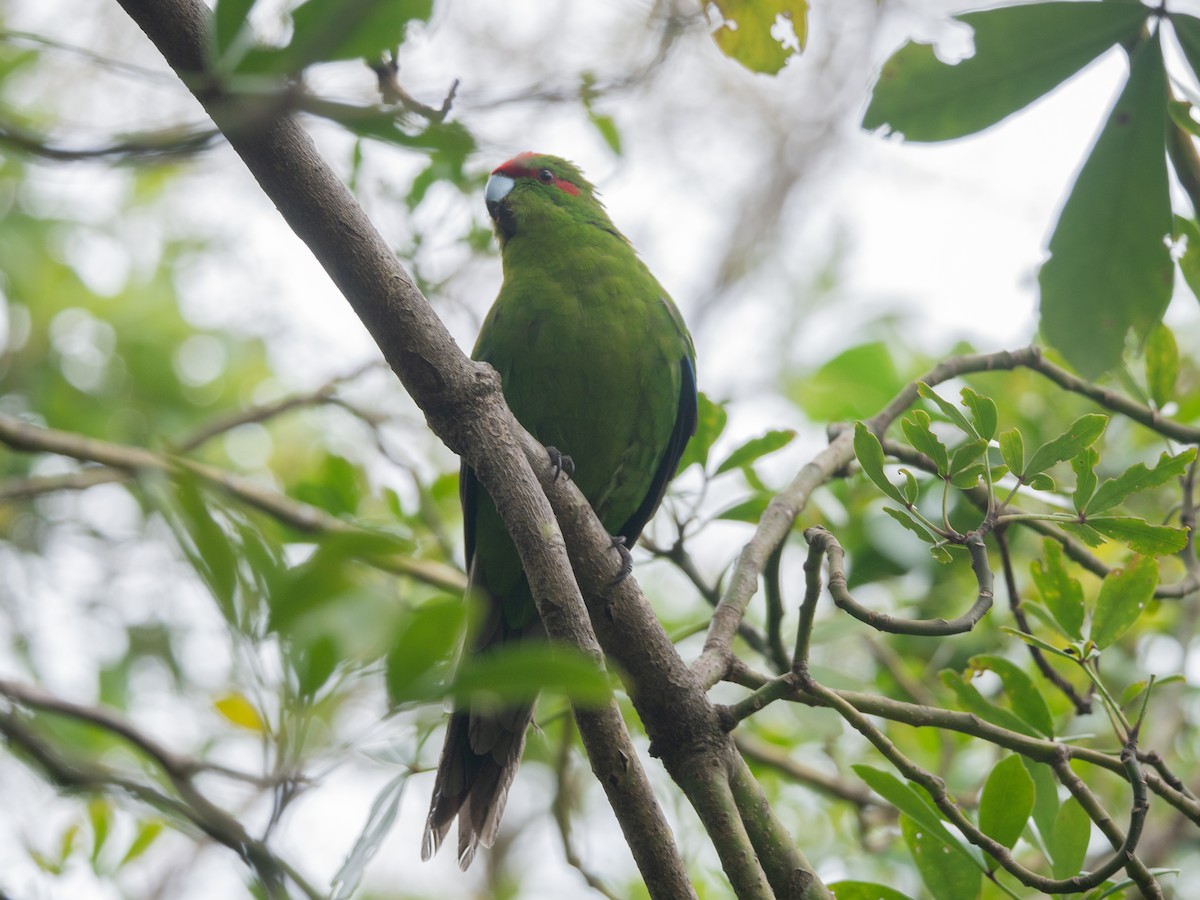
[326, 31]
[1110, 268]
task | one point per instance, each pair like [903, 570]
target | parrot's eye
[545, 176]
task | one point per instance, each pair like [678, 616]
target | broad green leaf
[911, 524]
[710, 422]
[746, 32]
[1082, 433]
[329, 30]
[1062, 594]
[965, 454]
[971, 700]
[1012, 450]
[239, 711]
[755, 448]
[1084, 466]
[947, 875]
[983, 412]
[207, 546]
[607, 127]
[1026, 700]
[1133, 691]
[1162, 364]
[1189, 260]
[916, 429]
[949, 410]
[1045, 803]
[911, 489]
[1006, 801]
[520, 672]
[865, 890]
[1085, 533]
[379, 822]
[1137, 534]
[870, 456]
[1021, 52]
[855, 384]
[1110, 269]
[1068, 841]
[1139, 478]
[1124, 595]
[336, 485]
[427, 638]
[909, 801]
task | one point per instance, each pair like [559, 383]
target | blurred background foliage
[246, 544]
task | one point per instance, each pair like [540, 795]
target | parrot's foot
[560, 462]
[618, 544]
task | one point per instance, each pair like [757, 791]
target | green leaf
[1021, 52]
[1045, 804]
[949, 410]
[1062, 594]
[1110, 268]
[1162, 364]
[520, 672]
[916, 429]
[870, 456]
[1085, 533]
[1084, 466]
[755, 448]
[1189, 261]
[710, 422]
[1027, 701]
[746, 32]
[336, 486]
[911, 524]
[1006, 801]
[1068, 841]
[1082, 433]
[1124, 595]
[1139, 478]
[947, 875]
[1012, 449]
[855, 384]
[1042, 482]
[607, 127]
[329, 30]
[983, 412]
[428, 635]
[1139, 535]
[209, 548]
[913, 804]
[971, 700]
[965, 454]
[147, 834]
[865, 890]
[100, 818]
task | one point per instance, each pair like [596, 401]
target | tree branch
[461, 399]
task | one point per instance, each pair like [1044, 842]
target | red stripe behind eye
[518, 167]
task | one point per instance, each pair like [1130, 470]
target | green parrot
[595, 361]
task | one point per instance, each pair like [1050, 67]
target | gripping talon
[560, 462]
[618, 544]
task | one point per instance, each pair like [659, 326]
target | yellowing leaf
[239, 711]
[756, 32]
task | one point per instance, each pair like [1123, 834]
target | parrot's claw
[561, 463]
[618, 544]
